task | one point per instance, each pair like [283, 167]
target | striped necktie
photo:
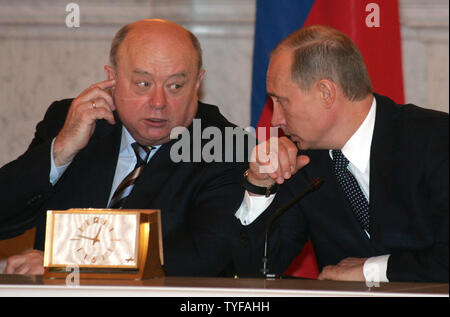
[125, 187]
[351, 189]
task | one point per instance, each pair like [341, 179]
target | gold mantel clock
[104, 243]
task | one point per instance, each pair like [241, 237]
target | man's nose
[158, 98]
[277, 116]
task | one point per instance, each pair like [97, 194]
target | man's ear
[110, 72]
[201, 74]
[327, 90]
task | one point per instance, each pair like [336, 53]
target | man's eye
[142, 84]
[175, 86]
[276, 100]
[282, 102]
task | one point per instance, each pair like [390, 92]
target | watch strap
[259, 190]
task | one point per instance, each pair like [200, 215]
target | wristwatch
[259, 190]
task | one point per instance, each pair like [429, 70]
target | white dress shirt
[357, 151]
[125, 163]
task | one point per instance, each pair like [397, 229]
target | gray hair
[321, 52]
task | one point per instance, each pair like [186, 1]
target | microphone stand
[315, 184]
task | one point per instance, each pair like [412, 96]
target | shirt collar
[357, 148]
[125, 144]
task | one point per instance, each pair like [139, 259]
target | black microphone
[315, 184]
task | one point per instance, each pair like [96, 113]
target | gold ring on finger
[93, 104]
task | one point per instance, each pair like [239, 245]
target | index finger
[109, 83]
[291, 150]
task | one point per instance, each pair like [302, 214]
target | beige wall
[42, 60]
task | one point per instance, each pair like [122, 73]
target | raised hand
[92, 104]
[274, 161]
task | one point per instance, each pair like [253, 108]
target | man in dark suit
[85, 147]
[382, 211]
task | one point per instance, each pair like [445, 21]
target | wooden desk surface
[19, 285]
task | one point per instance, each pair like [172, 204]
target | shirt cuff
[252, 207]
[56, 171]
[375, 268]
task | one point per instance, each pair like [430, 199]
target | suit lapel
[161, 167]
[382, 189]
[149, 184]
[99, 159]
[382, 156]
[331, 192]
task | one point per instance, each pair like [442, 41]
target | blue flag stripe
[275, 19]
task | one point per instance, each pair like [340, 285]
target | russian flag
[372, 24]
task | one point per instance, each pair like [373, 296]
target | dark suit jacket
[408, 203]
[197, 200]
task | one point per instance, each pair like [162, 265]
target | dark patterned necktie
[125, 187]
[351, 189]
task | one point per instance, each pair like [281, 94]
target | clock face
[95, 239]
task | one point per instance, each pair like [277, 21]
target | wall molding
[425, 20]
[99, 19]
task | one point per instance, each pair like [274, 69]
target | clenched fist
[274, 161]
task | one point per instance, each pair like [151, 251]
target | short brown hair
[322, 52]
[122, 34]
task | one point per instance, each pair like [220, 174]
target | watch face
[95, 239]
